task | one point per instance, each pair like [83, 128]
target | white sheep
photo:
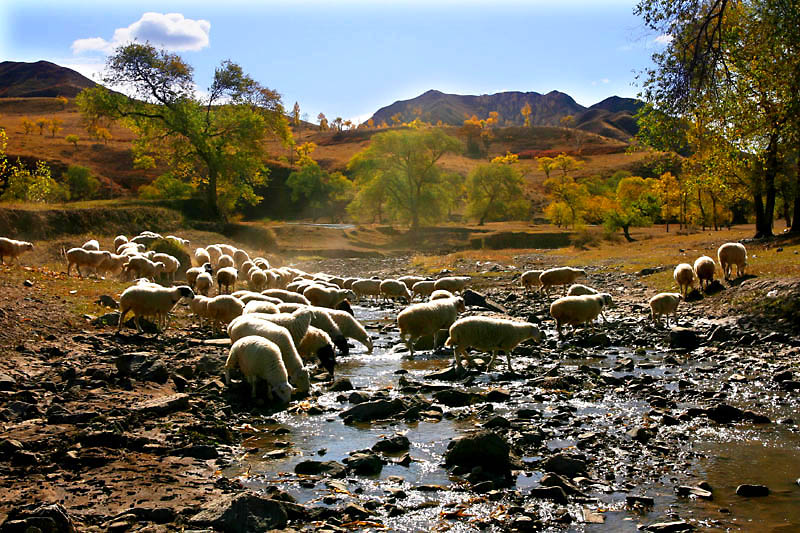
[91, 245]
[321, 319]
[729, 254]
[214, 252]
[454, 284]
[204, 283]
[704, 268]
[664, 303]
[139, 266]
[12, 249]
[286, 296]
[171, 264]
[327, 296]
[112, 264]
[559, 276]
[225, 261]
[530, 279]
[247, 325]
[394, 288]
[258, 279]
[261, 263]
[423, 288]
[577, 310]
[130, 248]
[409, 281]
[427, 318]
[119, 240]
[257, 306]
[223, 309]
[684, 277]
[240, 257]
[177, 240]
[489, 334]
[146, 238]
[192, 273]
[350, 327]
[226, 277]
[227, 249]
[259, 358]
[296, 323]
[150, 300]
[318, 343]
[580, 290]
[441, 293]
[199, 307]
[90, 259]
[365, 288]
[201, 257]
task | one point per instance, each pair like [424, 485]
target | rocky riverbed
[623, 427]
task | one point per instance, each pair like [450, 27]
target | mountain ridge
[40, 79]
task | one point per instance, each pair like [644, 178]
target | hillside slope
[40, 79]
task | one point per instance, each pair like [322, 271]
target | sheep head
[327, 358]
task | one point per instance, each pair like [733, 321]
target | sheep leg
[122, 314]
[491, 361]
[136, 321]
[252, 381]
[456, 356]
[508, 357]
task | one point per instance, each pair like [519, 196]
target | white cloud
[603, 81]
[663, 39]
[170, 31]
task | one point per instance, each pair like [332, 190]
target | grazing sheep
[350, 327]
[90, 259]
[150, 300]
[240, 257]
[729, 254]
[366, 288]
[226, 277]
[91, 245]
[214, 252]
[345, 306]
[326, 296]
[427, 318]
[394, 288]
[225, 261]
[704, 268]
[559, 276]
[259, 358]
[204, 283]
[177, 240]
[322, 320]
[223, 309]
[119, 240]
[130, 248]
[13, 249]
[318, 343]
[296, 323]
[580, 290]
[113, 264]
[192, 273]
[171, 264]
[139, 266]
[665, 303]
[254, 325]
[257, 306]
[199, 307]
[261, 263]
[348, 283]
[249, 296]
[227, 249]
[531, 279]
[423, 288]
[441, 293]
[454, 284]
[577, 310]
[201, 257]
[146, 238]
[684, 277]
[489, 334]
[409, 281]
[286, 296]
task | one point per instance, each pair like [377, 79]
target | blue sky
[349, 58]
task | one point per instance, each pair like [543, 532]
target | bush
[584, 238]
[166, 187]
[82, 185]
[35, 185]
[178, 251]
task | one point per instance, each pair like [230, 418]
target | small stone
[365, 464]
[28, 283]
[341, 385]
[670, 527]
[683, 338]
[752, 491]
[331, 468]
[564, 464]
[639, 501]
[395, 444]
[554, 493]
[640, 434]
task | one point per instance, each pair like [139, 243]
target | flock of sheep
[286, 317]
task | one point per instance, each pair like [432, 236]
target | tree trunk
[767, 208]
[702, 211]
[796, 217]
[626, 232]
[714, 212]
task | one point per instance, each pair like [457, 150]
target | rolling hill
[40, 79]
[612, 117]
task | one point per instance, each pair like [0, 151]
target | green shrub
[166, 187]
[82, 185]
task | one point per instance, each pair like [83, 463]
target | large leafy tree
[636, 204]
[736, 62]
[495, 191]
[402, 166]
[220, 135]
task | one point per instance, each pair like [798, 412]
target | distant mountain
[613, 117]
[42, 78]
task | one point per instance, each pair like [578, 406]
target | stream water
[724, 456]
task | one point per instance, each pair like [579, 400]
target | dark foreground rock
[241, 513]
[51, 518]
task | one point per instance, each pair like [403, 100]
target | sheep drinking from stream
[427, 318]
[489, 334]
[259, 358]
